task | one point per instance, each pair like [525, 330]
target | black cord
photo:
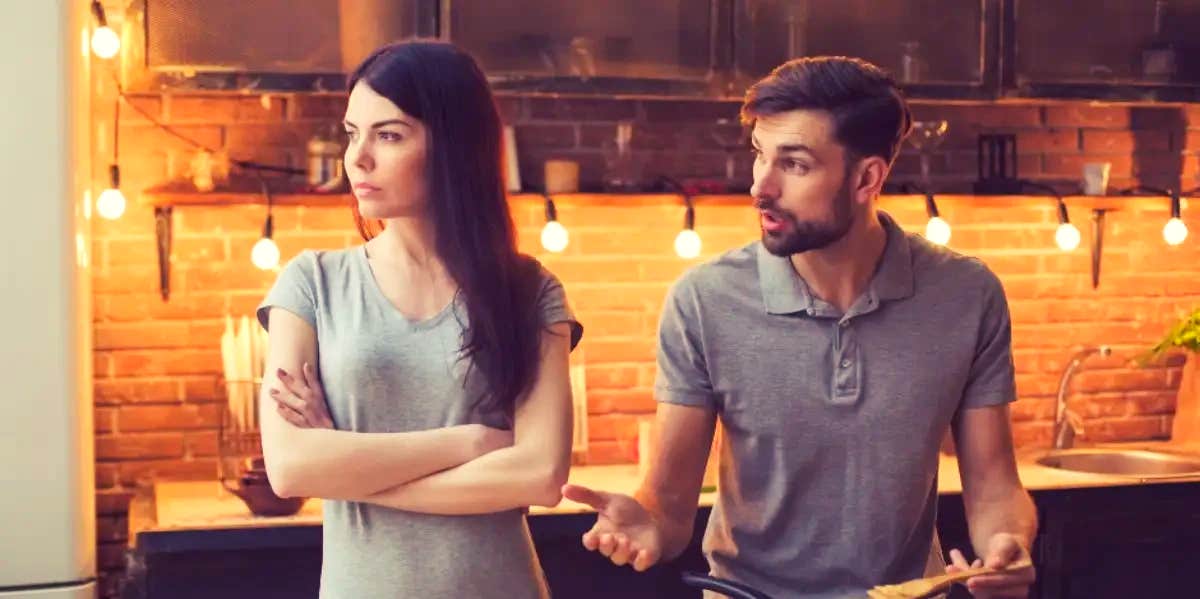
[1042, 187]
[245, 164]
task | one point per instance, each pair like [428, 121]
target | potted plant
[1184, 336]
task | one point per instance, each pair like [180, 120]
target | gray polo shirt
[832, 421]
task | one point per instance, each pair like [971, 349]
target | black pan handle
[729, 588]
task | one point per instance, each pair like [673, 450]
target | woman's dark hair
[443, 87]
[870, 115]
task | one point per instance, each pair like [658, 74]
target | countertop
[176, 507]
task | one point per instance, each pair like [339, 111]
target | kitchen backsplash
[157, 365]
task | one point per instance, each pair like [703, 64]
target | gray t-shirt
[832, 422]
[384, 373]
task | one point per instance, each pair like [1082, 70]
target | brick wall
[157, 364]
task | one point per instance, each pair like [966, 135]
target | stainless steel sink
[1136, 463]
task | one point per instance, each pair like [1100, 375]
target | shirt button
[845, 363]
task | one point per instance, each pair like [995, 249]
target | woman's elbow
[282, 476]
[550, 481]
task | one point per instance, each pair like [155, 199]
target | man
[836, 352]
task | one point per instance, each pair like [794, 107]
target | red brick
[1032, 409]
[149, 138]
[142, 335]
[1166, 118]
[612, 427]
[106, 476]
[687, 110]
[202, 389]
[581, 109]
[1126, 141]
[1071, 165]
[512, 109]
[607, 452]
[625, 401]
[112, 528]
[201, 444]
[127, 279]
[1126, 429]
[1032, 434]
[546, 136]
[126, 307]
[143, 472]
[330, 107]
[178, 417]
[129, 391]
[236, 275]
[104, 420]
[166, 362]
[1083, 115]
[113, 502]
[206, 109]
[290, 135]
[1048, 140]
[139, 446]
[110, 555]
[600, 351]
[134, 105]
[611, 376]
[337, 218]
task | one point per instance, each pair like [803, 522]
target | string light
[110, 204]
[554, 235]
[1175, 231]
[265, 253]
[1067, 235]
[937, 230]
[687, 242]
[105, 42]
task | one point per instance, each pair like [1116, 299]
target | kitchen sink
[1137, 463]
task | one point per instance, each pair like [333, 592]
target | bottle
[1160, 57]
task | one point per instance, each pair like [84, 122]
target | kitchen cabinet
[1120, 49]
[1098, 543]
[1104, 542]
[911, 39]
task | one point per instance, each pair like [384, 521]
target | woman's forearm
[505, 479]
[334, 464]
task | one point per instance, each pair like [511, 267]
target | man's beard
[802, 237]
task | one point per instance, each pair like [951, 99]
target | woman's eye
[389, 136]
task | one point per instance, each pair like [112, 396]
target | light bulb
[554, 236]
[265, 254]
[687, 244]
[105, 42]
[111, 203]
[1067, 237]
[938, 231]
[1175, 231]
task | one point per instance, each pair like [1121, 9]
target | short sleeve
[991, 380]
[682, 376]
[294, 290]
[554, 308]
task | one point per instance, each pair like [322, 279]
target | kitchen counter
[171, 508]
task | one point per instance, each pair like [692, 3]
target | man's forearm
[1013, 512]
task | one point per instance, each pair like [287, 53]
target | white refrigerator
[47, 497]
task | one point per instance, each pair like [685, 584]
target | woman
[440, 352]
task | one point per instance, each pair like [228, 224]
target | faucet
[1067, 423]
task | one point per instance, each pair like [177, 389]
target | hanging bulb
[687, 242]
[105, 42]
[111, 202]
[265, 254]
[1067, 235]
[1175, 231]
[554, 235]
[937, 230]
